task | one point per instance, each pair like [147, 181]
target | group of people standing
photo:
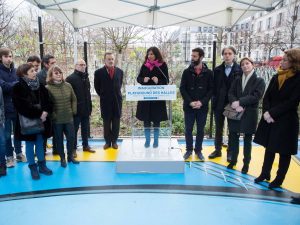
[63, 105]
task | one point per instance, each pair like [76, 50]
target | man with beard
[224, 75]
[196, 88]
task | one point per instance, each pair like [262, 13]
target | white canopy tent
[153, 14]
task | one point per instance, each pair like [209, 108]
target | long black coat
[249, 100]
[81, 85]
[109, 91]
[282, 135]
[24, 100]
[222, 84]
[153, 110]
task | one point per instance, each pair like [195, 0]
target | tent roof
[152, 14]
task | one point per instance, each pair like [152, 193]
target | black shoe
[245, 169]
[187, 155]
[44, 169]
[63, 163]
[275, 184]
[72, 160]
[295, 200]
[200, 156]
[2, 170]
[55, 152]
[155, 143]
[261, 178]
[88, 149]
[215, 154]
[34, 172]
[230, 166]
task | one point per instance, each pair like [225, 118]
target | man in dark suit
[224, 75]
[80, 82]
[108, 82]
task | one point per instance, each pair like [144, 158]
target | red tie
[111, 72]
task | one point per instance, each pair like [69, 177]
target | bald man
[81, 86]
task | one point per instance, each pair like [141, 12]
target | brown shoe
[115, 146]
[88, 149]
[106, 146]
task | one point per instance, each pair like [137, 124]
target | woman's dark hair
[293, 56]
[23, 69]
[156, 53]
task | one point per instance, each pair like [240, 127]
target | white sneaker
[10, 162]
[21, 158]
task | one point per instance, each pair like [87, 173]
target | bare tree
[292, 22]
[272, 41]
[6, 18]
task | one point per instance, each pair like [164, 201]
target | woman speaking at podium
[154, 71]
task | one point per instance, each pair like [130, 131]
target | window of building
[204, 29]
[279, 21]
[269, 23]
[259, 29]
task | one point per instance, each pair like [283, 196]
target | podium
[133, 156]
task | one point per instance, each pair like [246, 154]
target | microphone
[163, 74]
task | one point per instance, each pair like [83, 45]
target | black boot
[2, 170]
[245, 169]
[262, 177]
[215, 154]
[44, 169]
[295, 200]
[63, 162]
[72, 160]
[276, 183]
[34, 172]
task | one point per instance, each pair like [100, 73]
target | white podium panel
[133, 157]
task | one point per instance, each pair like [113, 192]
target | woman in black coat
[244, 96]
[31, 99]
[279, 126]
[154, 71]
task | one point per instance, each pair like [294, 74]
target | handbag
[230, 113]
[31, 126]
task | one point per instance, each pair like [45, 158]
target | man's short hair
[230, 48]
[107, 53]
[4, 52]
[199, 50]
[34, 58]
[47, 58]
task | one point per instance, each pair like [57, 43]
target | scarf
[33, 84]
[283, 75]
[111, 71]
[151, 64]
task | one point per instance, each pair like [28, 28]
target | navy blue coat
[222, 84]
[109, 91]
[196, 87]
[8, 79]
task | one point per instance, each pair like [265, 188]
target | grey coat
[249, 100]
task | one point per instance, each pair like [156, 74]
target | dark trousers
[60, 130]
[84, 122]
[189, 119]
[284, 163]
[111, 130]
[219, 122]
[9, 128]
[234, 147]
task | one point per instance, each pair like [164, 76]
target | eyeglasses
[81, 64]
[57, 72]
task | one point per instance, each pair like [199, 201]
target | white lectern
[133, 157]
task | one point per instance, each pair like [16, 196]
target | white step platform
[133, 157]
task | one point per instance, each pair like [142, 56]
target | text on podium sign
[150, 92]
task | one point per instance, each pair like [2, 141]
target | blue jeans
[2, 146]
[59, 131]
[9, 127]
[84, 121]
[39, 149]
[189, 119]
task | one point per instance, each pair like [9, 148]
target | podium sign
[150, 92]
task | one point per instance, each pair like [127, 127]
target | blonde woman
[65, 107]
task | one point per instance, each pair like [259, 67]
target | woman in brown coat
[279, 126]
